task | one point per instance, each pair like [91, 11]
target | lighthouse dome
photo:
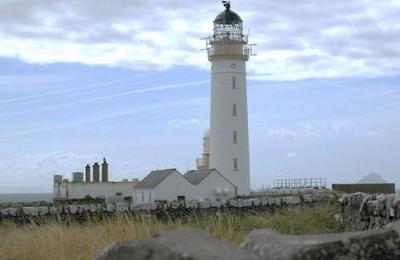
[228, 17]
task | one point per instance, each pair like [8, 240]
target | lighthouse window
[233, 82]
[235, 137]
[235, 164]
[234, 112]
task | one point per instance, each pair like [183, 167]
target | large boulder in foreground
[139, 249]
[177, 244]
[261, 244]
[376, 244]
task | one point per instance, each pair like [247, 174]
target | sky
[130, 81]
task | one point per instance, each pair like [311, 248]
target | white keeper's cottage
[170, 185]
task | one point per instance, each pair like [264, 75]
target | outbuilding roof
[154, 178]
[196, 176]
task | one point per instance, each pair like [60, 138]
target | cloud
[94, 99]
[179, 123]
[282, 133]
[372, 133]
[33, 172]
[368, 133]
[108, 116]
[291, 155]
[342, 124]
[63, 92]
[296, 40]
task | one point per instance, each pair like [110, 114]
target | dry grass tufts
[84, 241]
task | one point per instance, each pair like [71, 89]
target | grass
[84, 241]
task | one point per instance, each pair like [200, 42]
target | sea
[25, 197]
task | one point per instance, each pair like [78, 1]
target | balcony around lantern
[229, 49]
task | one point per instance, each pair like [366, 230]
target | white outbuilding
[104, 190]
[171, 185]
[210, 184]
[158, 185]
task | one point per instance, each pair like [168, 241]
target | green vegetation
[84, 241]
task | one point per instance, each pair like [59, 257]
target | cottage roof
[196, 176]
[154, 178]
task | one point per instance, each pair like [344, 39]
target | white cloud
[342, 124]
[291, 155]
[372, 133]
[100, 118]
[295, 40]
[34, 172]
[282, 133]
[179, 122]
[310, 131]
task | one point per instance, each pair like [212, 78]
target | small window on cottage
[235, 164]
[233, 82]
[235, 137]
[149, 196]
[142, 196]
[234, 112]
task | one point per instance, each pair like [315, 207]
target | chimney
[96, 172]
[104, 171]
[87, 173]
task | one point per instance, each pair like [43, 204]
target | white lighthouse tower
[228, 52]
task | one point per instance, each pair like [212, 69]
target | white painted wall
[223, 123]
[78, 190]
[176, 185]
[207, 189]
[169, 189]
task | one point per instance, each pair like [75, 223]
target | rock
[362, 211]
[30, 211]
[200, 245]
[177, 244]
[377, 244]
[138, 250]
[121, 207]
[205, 204]
[292, 200]
[264, 202]
[110, 208]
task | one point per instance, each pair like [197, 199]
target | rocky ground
[260, 244]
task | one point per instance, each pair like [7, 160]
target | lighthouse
[228, 51]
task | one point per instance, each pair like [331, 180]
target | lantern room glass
[229, 32]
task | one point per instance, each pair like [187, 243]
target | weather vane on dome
[227, 4]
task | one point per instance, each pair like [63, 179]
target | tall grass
[84, 241]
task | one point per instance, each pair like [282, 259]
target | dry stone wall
[361, 211]
[260, 244]
[165, 209]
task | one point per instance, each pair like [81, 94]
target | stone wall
[361, 211]
[260, 244]
[166, 209]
